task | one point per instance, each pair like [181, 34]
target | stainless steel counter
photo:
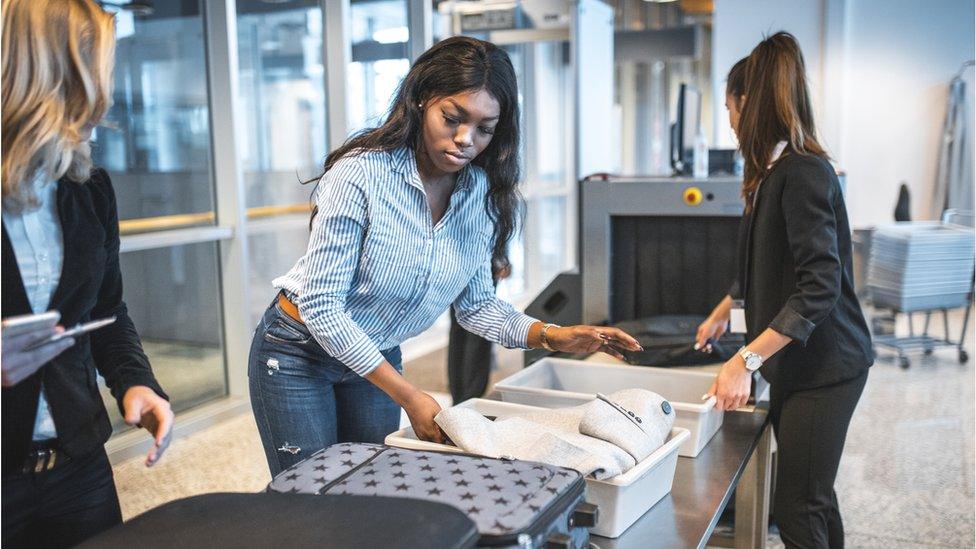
[738, 455]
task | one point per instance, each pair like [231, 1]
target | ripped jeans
[305, 400]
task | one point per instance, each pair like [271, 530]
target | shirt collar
[404, 161]
[45, 189]
[777, 152]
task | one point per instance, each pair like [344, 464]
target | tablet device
[25, 324]
[73, 332]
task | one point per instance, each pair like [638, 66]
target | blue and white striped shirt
[378, 272]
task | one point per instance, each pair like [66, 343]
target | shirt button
[42, 257]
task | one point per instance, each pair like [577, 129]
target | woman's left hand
[590, 339]
[732, 386]
[144, 408]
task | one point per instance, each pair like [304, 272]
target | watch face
[753, 362]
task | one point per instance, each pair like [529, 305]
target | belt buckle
[43, 460]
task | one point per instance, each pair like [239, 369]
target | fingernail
[697, 346]
[705, 397]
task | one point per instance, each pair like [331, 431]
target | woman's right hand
[19, 362]
[421, 409]
[711, 329]
[419, 406]
[714, 326]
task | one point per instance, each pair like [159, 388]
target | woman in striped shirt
[408, 218]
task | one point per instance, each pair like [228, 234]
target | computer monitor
[685, 128]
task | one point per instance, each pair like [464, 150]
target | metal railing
[184, 221]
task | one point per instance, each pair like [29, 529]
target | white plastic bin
[560, 383]
[622, 499]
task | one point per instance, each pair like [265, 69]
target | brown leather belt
[289, 308]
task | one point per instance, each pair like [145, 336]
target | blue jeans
[305, 400]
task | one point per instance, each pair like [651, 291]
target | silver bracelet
[544, 338]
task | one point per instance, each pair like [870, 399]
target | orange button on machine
[692, 196]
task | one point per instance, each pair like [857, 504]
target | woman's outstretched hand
[710, 331]
[590, 339]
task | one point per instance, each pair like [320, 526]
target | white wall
[901, 56]
[739, 25]
[879, 73]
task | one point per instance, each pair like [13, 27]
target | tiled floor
[906, 479]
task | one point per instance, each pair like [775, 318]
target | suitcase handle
[586, 515]
[559, 541]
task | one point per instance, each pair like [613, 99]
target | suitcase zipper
[350, 472]
[383, 449]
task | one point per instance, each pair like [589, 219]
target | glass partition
[158, 154]
[283, 117]
[282, 102]
[182, 336]
[379, 59]
[158, 148]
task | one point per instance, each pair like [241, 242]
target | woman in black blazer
[60, 251]
[794, 295]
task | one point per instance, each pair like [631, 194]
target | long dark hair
[452, 66]
[777, 108]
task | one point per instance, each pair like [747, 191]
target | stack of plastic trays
[921, 266]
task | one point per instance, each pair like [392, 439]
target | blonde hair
[57, 60]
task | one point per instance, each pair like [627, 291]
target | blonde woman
[61, 252]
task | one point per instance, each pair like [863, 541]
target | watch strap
[751, 357]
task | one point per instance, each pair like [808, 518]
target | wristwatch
[753, 361]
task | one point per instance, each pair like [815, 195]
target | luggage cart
[927, 342]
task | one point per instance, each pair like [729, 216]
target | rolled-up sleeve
[811, 227]
[331, 262]
[480, 312]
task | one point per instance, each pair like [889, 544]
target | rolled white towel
[604, 437]
[637, 420]
[522, 438]
[470, 431]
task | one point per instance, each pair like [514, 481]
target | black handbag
[669, 340]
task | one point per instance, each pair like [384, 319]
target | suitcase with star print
[513, 503]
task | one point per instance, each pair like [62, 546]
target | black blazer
[796, 276]
[90, 287]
